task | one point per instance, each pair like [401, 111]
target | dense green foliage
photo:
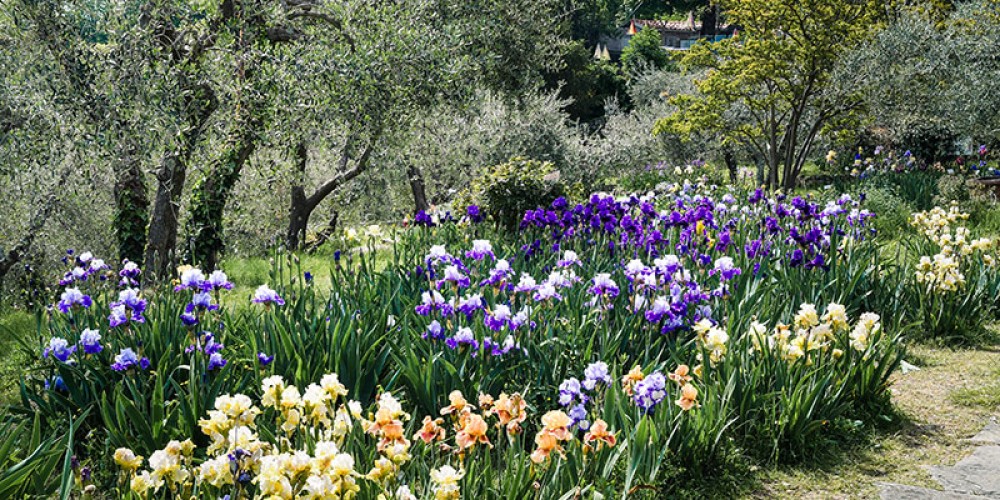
[376, 162]
[644, 51]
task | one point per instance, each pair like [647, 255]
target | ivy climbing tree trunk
[209, 197]
[131, 203]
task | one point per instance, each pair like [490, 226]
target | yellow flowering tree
[777, 73]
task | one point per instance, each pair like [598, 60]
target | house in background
[674, 35]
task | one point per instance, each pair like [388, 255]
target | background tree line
[169, 131]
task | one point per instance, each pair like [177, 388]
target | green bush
[644, 50]
[892, 212]
[507, 190]
[951, 188]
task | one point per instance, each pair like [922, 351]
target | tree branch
[344, 175]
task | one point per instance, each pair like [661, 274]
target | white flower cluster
[943, 273]
[811, 333]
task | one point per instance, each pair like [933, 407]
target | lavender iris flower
[73, 297]
[215, 361]
[265, 295]
[264, 359]
[59, 348]
[90, 341]
[128, 359]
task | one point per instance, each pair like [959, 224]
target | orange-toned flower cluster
[471, 428]
[555, 431]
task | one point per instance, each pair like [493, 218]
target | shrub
[893, 213]
[508, 190]
[643, 51]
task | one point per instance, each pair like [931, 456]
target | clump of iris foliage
[614, 346]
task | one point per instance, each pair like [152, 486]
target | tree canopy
[779, 70]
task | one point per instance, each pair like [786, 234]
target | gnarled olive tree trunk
[302, 206]
[162, 236]
[418, 188]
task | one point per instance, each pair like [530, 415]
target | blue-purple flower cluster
[423, 218]
[650, 391]
[84, 267]
[575, 395]
[695, 226]
[129, 310]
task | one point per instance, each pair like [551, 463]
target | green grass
[14, 327]
[986, 396]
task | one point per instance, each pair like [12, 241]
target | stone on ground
[977, 474]
[892, 491]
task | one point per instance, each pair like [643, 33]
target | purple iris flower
[796, 258]
[188, 317]
[191, 279]
[480, 250]
[604, 285]
[216, 361]
[596, 373]
[90, 340]
[526, 284]
[129, 307]
[658, 310]
[434, 331]
[650, 391]
[73, 297]
[475, 214]
[57, 384]
[211, 346]
[423, 219]
[578, 415]
[202, 301]
[725, 268]
[453, 275]
[546, 291]
[127, 359]
[217, 281]
[59, 348]
[264, 359]
[520, 319]
[570, 390]
[499, 317]
[433, 301]
[500, 272]
[463, 337]
[817, 261]
[264, 295]
[129, 273]
[469, 305]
